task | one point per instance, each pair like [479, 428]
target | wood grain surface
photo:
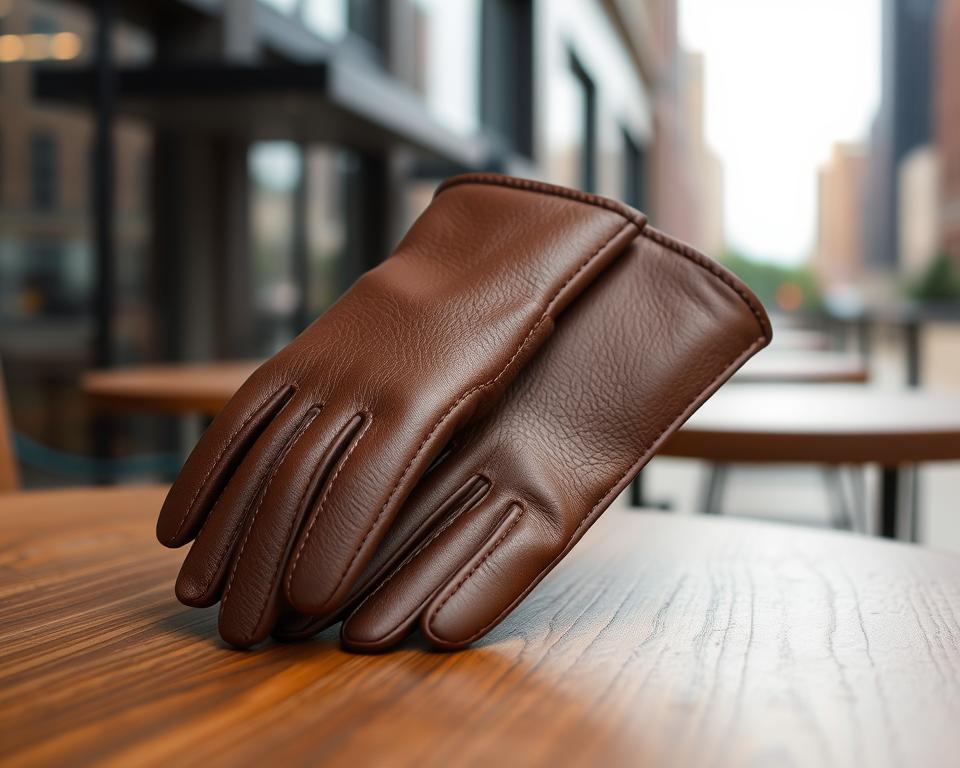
[202, 388]
[661, 640]
[824, 424]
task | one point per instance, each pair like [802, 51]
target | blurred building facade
[948, 123]
[201, 178]
[892, 210]
[838, 256]
[687, 175]
[47, 272]
[919, 220]
[904, 121]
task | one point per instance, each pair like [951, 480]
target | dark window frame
[588, 153]
[368, 25]
[506, 73]
[635, 182]
[44, 165]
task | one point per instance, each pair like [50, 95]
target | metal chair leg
[839, 508]
[913, 507]
[858, 484]
[715, 486]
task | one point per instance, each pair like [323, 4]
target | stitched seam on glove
[480, 562]
[416, 553]
[301, 431]
[711, 266]
[444, 417]
[301, 503]
[220, 455]
[543, 188]
[588, 518]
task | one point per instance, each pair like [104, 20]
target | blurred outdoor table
[830, 424]
[201, 388]
[204, 388]
[803, 368]
[661, 640]
[797, 339]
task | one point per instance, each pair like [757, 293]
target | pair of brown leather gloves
[432, 446]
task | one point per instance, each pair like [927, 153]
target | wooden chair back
[9, 475]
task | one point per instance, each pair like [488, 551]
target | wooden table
[825, 425]
[202, 388]
[205, 388]
[661, 640]
[773, 367]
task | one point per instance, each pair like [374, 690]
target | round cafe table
[775, 367]
[830, 424]
[662, 640]
[201, 388]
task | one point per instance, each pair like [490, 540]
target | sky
[785, 80]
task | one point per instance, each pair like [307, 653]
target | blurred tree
[786, 288]
[939, 283]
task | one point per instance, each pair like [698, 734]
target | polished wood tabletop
[661, 640]
[776, 367]
[202, 388]
[825, 424]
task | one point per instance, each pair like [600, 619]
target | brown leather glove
[290, 490]
[655, 336]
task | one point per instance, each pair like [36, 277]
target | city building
[194, 179]
[904, 120]
[838, 258]
[947, 86]
[704, 167]
[919, 225]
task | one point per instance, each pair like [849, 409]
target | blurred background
[195, 180]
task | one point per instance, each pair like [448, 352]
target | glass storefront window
[298, 235]
[450, 51]
[442, 63]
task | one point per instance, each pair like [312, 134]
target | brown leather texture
[289, 492]
[658, 333]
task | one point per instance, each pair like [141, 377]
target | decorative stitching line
[220, 455]
[301, 430]
[592, 514]
[543, 188]
[443, 418]
[210, 579]
[299, 508]
[479, 563]
[415, 554]
[323, 500]
[711, 266]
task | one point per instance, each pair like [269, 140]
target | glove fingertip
[481, 593]
[361, 635]
[211, 464]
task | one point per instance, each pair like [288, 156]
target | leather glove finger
[203, 574]
[217, 455]
[441, 499]
[652, 339]
[252, 598]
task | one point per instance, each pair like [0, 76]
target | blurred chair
[16, 449]
[847, 511]
[9, 474]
